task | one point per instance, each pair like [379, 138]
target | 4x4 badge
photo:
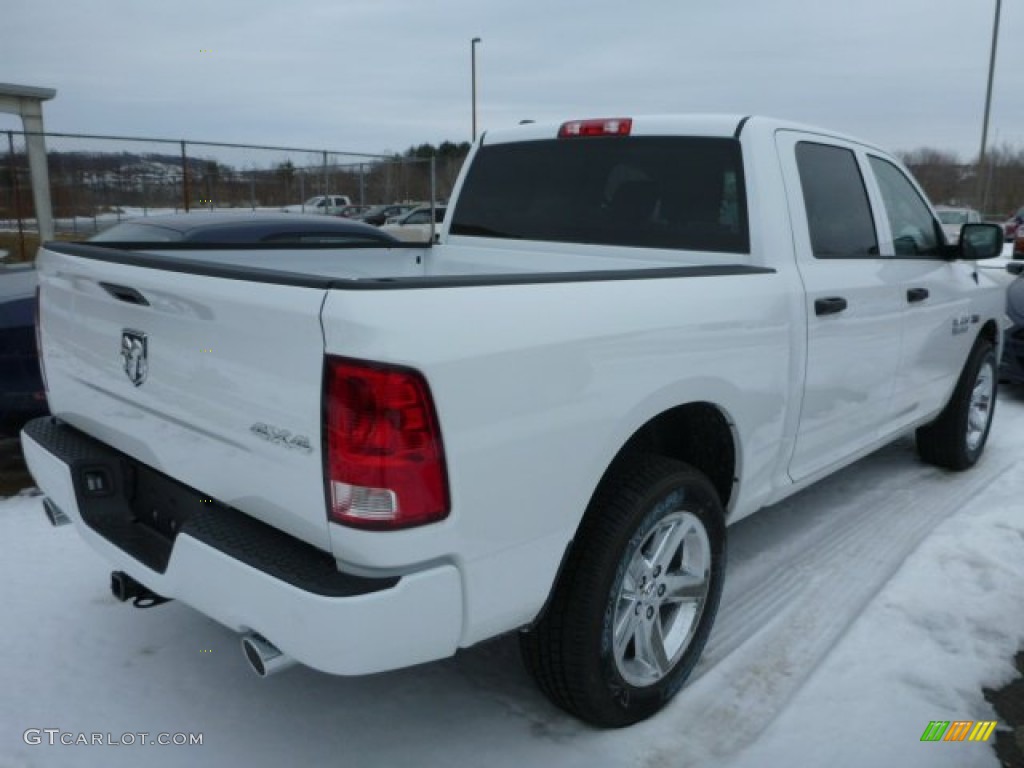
[134, 350]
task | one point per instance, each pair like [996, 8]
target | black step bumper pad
[142, 512]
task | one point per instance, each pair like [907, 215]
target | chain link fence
[97, 181]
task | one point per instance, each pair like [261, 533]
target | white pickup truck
[327, 204]
[629, 334]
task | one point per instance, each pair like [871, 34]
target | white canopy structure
[27, 102]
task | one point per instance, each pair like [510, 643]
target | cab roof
[718, 125]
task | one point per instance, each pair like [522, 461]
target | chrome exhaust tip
[264, 657]
[54, 514]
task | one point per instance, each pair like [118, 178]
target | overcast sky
[380, 75]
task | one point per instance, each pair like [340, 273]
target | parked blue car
[22, 396]
[244, 228]
[1012, 365]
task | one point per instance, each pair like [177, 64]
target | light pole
[472, 56]
[982, 184]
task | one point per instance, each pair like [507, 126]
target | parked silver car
[415, 225]
[952, 219]
[329, 204]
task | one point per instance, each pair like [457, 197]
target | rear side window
[838, 213]
[649, 192]
[914, 231]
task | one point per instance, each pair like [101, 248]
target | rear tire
[636, 599]
[956, 439]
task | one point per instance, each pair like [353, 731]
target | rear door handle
[829, 306]
[917, 294]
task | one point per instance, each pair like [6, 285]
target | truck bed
[235, 345]
[413, 266]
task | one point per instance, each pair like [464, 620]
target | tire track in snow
[787, 603]
[762, 587]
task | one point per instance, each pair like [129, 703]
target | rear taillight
[605, 126]
[384, 461]
[39, 341]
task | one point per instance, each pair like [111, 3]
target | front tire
[956, 439]
[638, 594]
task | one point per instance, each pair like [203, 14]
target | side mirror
[1015, 267]
[980, 241]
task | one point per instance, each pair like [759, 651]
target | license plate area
[161, 504]
[133, 506]
[142, 512]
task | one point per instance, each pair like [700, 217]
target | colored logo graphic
[958, 730]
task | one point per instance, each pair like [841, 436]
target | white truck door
[938, 327]
[854, 311]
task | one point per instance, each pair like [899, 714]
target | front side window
[838, 213]
[682, 193]
[914, 231]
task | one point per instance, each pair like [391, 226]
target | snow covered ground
[855, 613]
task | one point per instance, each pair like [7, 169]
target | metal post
[74, 201]
[472, 55]
[38, 169]
[362, 185]
[988, 179]
[184, 177]
[982, 186]
[15, 189]
[327, 191]
[433, 200]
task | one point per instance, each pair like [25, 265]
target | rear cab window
[684, 193]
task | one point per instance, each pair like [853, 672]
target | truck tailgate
[213, 381]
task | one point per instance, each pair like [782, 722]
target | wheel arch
[990, 331]
[573, 649]
[699, 434]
